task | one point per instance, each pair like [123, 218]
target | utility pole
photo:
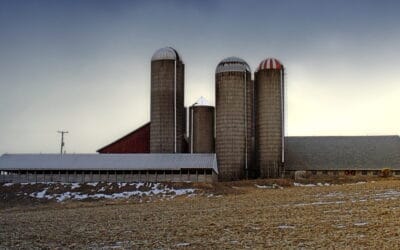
[62, 140]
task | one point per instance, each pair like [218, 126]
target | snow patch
[39, 195]
[360, 224]
[75, 185]
[183, 244]
[153, 189]
[8, 184]
[285, 226]
[273, 186]
[303, 185]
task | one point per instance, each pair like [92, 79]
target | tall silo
[234, 118]
[269, 117]
[167, 102]
[201, 127]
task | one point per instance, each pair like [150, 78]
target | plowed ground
[365, 215]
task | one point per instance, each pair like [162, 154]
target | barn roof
[108, 161]
[124, 144]
[342, 152]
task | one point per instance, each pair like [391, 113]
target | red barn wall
[137, 141]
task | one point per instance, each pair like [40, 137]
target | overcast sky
[84, 66]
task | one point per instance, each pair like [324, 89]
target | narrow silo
[269, 124]
[201, 127]
[234, 116]
[167, 102]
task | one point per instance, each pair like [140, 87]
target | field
[235, 215]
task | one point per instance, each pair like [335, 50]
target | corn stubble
[340, 216]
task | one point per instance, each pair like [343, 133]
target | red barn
[137, 141]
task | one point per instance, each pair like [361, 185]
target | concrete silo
[269, 124]
[201, 127]
[234, 118]
[167, 102]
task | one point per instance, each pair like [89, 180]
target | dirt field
[226, 216]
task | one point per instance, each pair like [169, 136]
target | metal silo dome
[270, 63]
[232, 64]
[166, 53]
[201, 102]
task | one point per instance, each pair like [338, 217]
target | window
[313, 172]
[325, 172]
[364, 172]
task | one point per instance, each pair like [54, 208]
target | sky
[84, 66]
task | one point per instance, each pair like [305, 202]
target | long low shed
[342, 155]
[20, 168]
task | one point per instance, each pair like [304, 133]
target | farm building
[342, 155]
[20, 168]
[137, 141]
[245, 129]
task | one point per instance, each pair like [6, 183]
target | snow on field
[285, 226]
[137, 190]
[273, 186]
[360, 224]
[183, 244]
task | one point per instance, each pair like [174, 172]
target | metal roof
[108, 161]
[342, 152]
[166, 53]
[201, 102]
[270, 63]
[232, 64]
